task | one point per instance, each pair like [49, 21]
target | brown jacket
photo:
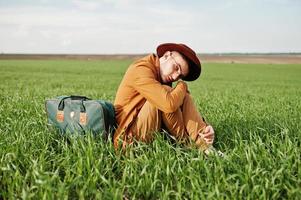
[142, 83]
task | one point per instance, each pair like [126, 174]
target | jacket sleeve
[158, 95]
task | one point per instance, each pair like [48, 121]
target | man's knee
[150, 116]
[151, 109]
[147, 123]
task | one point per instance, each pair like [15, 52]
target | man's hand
[209, 135]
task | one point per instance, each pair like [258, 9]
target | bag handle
[73, 97]
[77, 97]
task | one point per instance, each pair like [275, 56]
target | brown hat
[193, 61]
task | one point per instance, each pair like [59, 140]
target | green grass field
[255, 110]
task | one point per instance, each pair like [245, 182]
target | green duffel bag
[80, 114]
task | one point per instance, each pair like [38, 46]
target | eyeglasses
[178, 66]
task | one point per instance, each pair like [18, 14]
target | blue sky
[136, 26]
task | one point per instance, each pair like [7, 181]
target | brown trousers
[186, 122]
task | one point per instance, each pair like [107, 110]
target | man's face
[173, 67]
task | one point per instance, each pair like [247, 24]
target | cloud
[87, 5]
[63, 27]
[132, 26]
[21, 31]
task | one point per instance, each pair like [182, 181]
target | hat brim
[194, 62]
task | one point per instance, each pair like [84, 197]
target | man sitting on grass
[145, 101]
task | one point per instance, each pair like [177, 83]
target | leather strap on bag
[83, 114]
